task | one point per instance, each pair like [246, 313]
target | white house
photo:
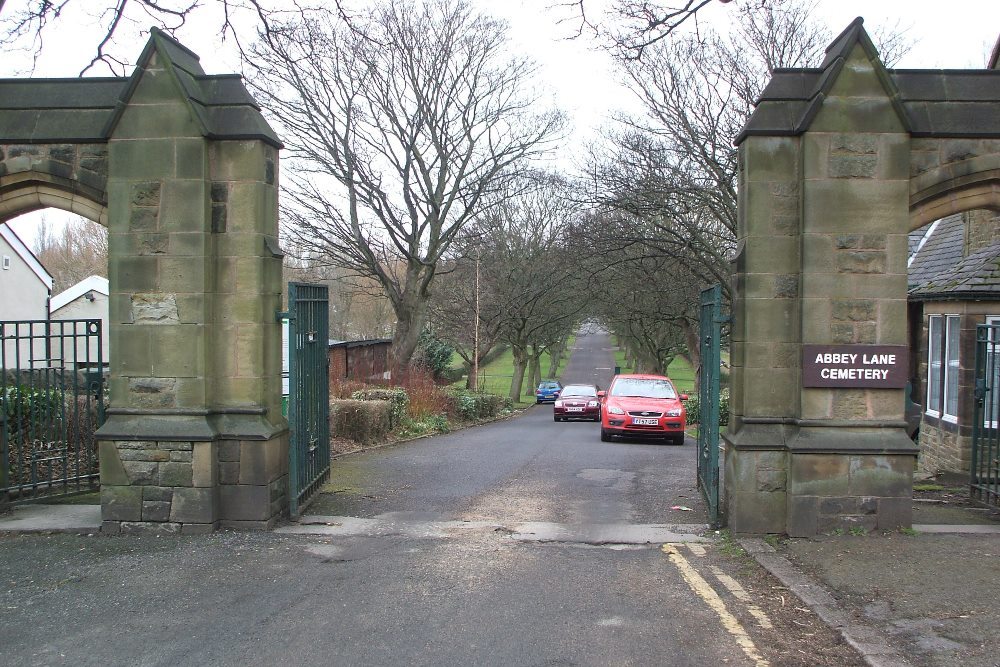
[25, 288]
[25, 285]
[86, 300]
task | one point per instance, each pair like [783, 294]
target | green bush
[433, 353]
[363, 421]
[470, 406]
[693, 407]
[30, 409]
[397, 397]
[411, 428]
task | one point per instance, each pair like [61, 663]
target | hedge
[397, 397]
[363, 421]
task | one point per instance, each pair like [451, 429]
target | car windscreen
[644, 387]
[579, 390]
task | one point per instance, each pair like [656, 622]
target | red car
[577, 401]
[643, 406]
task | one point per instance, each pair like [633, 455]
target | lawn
[680, 372]
[495, 377]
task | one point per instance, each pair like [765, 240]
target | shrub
[397, 397]
[693, 407]
[470, 406]
[426, 397]
[365, 422]
[424, 426]
[30, 409]
[432, 353]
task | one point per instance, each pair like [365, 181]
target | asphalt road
[525, 542]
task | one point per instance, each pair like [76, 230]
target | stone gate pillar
[194, 438]
[823, 221]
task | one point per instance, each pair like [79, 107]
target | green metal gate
[308, 392]
[985, 479]
[708, 400]
[51, 403]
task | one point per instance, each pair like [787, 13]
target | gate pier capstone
[194, 438]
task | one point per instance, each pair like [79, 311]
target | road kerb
[863, 638]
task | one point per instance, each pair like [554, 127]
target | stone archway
[837, 165]
[182, 169]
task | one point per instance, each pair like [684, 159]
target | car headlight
[676, 412]
[558, 404]
[592, 404]
[615, 410]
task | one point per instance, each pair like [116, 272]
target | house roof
[976, 276]
[929, 103]
[89, 284]
[940, 249]
[359, 343]
[87, 110]
[28, 257]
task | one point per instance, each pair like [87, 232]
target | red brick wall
[338, 364]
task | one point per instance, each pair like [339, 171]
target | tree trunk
[411, 314]
[533, 370]
[520, 363]
[693, 342]
[556, 353]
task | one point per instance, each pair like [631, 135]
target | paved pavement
[926, 597]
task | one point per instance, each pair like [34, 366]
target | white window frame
[928, 408]
[947, 369]
[992, 364]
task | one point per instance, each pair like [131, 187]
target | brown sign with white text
[866, 366]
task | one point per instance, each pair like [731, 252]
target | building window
[943, 333]
[992, 371]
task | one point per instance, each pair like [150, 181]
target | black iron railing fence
[51, 403]
[984, 484]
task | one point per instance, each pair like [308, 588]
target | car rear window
[549, 385]
[643, 387]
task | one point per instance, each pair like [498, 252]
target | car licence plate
[574, 409]
[645, 421]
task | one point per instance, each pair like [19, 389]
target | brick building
[362, 360]
[954, 285]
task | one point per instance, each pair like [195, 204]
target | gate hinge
[283, 315]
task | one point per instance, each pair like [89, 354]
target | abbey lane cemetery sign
[868, 366]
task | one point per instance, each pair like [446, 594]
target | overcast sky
[581, 78]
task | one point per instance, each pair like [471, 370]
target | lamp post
[475, 337]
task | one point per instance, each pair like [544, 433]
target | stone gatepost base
[193, 487]
[811, 480]
[253, 482]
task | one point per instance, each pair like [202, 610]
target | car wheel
[605, 436]
[678, 441]
[556, 419]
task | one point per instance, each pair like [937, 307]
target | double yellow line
[712, 599]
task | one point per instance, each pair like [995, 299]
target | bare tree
[402, 128]
[673, 172]
[77, 251]
[533, 280]
[632, 26]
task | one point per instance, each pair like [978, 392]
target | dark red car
[577, 401]
[643, 406]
